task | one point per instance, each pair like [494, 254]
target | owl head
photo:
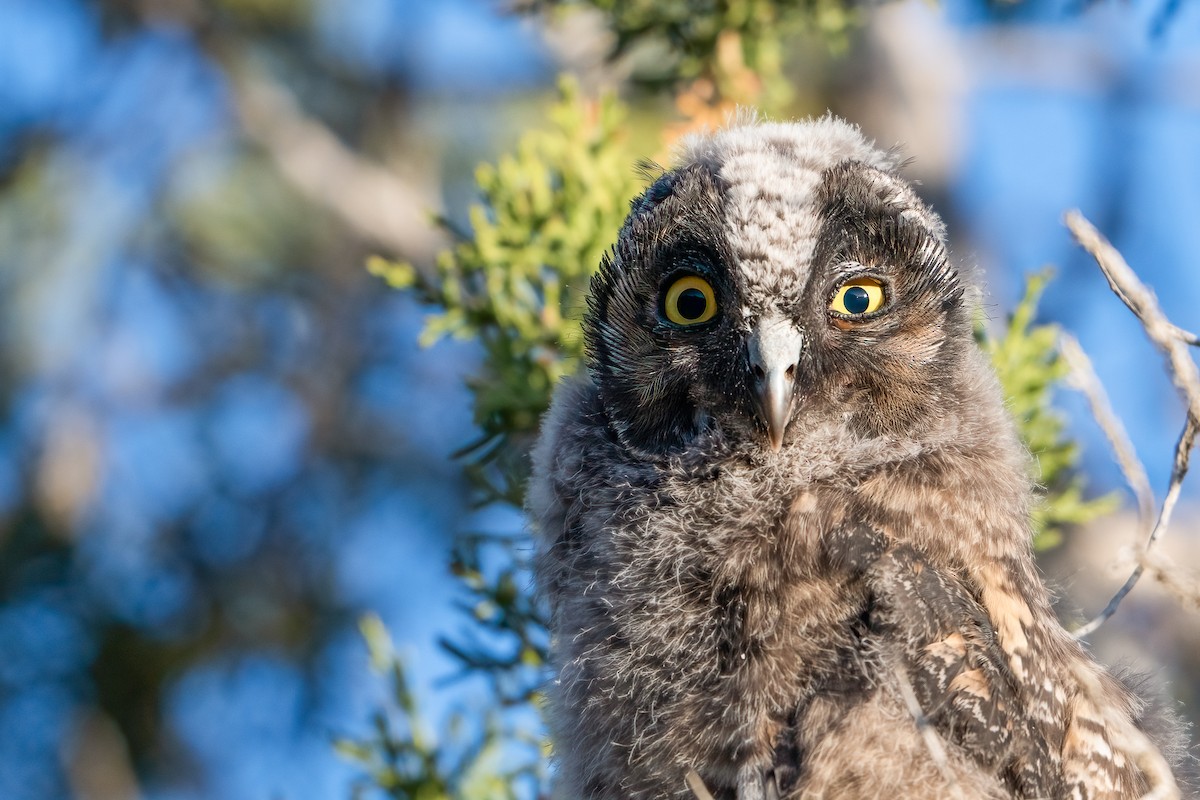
[779, 274]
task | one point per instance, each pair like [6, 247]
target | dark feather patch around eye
[660, 190]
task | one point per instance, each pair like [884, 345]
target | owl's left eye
[857, 297]
[690, 300]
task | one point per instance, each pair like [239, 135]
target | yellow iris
[690, 301]
[857, 297]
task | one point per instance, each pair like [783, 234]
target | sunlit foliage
[516, 281]
[1030, 367]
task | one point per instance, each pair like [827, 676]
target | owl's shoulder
[579, 465]
[558, 455]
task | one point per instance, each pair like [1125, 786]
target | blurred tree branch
[1084, 379]
[370, 199]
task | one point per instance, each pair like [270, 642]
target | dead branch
[370, 199]
[928, 735]
[1183, 585]
[1169, 338]
[1174, 342]
[1083, 379]
[696, 784]
[1186, 336]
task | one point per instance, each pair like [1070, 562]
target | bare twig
[1083, 378]
[1174, 342]
[697, 786]
[1183, 585]
[1182, 452]
[928, 735]
[1170, 338]
[1187, 337]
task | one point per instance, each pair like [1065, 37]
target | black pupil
[691, 304]
[856, 299]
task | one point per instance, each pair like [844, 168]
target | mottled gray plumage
[759, 532]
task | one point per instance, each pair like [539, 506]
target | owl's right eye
[858, 297]
[689, 300]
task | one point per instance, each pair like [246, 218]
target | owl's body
[784, 517]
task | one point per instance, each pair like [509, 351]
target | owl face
[780, 275]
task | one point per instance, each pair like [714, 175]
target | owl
[783, 518]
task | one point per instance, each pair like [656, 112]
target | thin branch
[928, 735]
[1083, 379]
[1182, 451]
[696, 784]
[1169, 338]
[1185, 587]
[1187, 337]
[1174, 342]
[370, 199]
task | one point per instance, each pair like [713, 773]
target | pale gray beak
[774, 359]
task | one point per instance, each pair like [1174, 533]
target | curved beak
[775, 347]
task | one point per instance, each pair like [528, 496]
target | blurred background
[220, 443]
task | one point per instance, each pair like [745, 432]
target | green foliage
[1029, 365]
[517, 283]
[684, 37]
[507, 639]
[403, 761]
